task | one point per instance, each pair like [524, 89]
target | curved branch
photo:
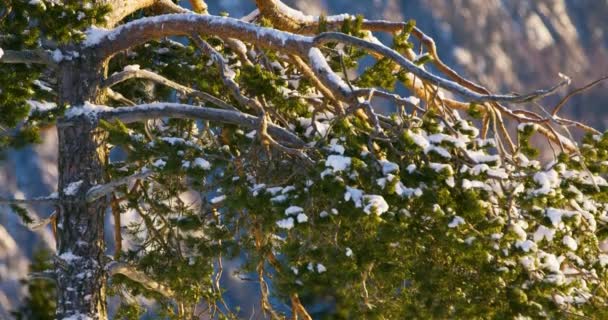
[130, 272]
[429, 77]
[146, 29]
[101, 190]
[149, 75]
[184, 111]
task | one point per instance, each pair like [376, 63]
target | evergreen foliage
[427, 219]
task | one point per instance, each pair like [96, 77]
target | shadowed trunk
[80, 245]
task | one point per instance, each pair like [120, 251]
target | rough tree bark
[80, 244]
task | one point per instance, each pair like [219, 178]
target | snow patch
[72, 188]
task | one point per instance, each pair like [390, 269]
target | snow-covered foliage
[419, 210]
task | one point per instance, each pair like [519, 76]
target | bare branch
[119, 97]
[559, 106]
[36, 225]
[429, 77]
[130, 272]
[48, 199]
[43, 275]
[184, 111]
[149, 75]
[27, 56]
[99, 191]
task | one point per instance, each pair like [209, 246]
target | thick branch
[176, 110]
[146, 29]
[130, 272]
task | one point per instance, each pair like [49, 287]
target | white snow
[388, 167]
[321, 268]
[69, 257]
[251, 134]
[338, 163]
[548, 180]
[550, 262]
[439, 167]
[458, 220]
[320, 65]
[570, 242]
[481, 156]
[355, 195]
[1, 53]
[603, 259]
[57, 56]
[40, 106]
[349, 252]
[411, 168]
[274, 190]
[201, 163]
[419, 140]
[556, 215]
[301, 218]
[159, 163]
[286, 223]
[375, 203]
[72, 188]
[518, 229]
[94, 36]
[88, 109]
[217, 199]
[527, 262]
[544, 233]
[279, 199]
[42, 85]
[131, 67]
[335, 147]
[526, 245]
[293, 210]
[438, 138]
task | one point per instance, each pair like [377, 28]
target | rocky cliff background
[506, 45]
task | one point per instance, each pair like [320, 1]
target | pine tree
[262, 137]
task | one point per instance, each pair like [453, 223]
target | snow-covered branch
[184, 111]
[146, 29]
[133, 274]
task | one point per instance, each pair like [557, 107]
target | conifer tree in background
[255, 137]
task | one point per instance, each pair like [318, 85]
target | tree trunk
[80, 242]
